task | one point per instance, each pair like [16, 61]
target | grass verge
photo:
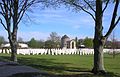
[68, 65]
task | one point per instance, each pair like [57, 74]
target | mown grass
[68, 64]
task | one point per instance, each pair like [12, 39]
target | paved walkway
[10, 68]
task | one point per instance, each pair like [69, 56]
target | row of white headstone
[57, 51]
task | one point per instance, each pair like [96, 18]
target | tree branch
[3, 12]
[113, 23]
[117, 21]
[10, 9]
[3, 24]
[90, 6]
[105, 6]
[20, 3]
[28, 17]
[23, 7]
[84, 10]
[20, 16]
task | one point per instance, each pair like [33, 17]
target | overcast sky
[62, 21]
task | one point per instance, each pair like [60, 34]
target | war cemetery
[68, 47]
[68, 60]
[59, 38]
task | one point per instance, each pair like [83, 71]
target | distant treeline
[54, 41]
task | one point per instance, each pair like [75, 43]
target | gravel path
[10, 68]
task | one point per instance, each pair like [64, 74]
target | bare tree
[96, 12]
[55, 39]
[11, 12]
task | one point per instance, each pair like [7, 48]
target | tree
[55, 39]
[49, 44]
[88, 42]
[35, 43]
[76, 40]
[32, 43]
[96, 12]
[12, 11]
[2, 40]
[41, 44]
[80, 42]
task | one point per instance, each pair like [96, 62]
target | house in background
[66, 42]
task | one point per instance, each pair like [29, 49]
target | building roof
[65, 36]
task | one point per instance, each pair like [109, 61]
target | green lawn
[68, 64]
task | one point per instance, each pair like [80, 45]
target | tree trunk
[14, 32]
[98, 41]
[13, 44]
[98, 56]
[14, 52]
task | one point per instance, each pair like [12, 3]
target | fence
[57, 51]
